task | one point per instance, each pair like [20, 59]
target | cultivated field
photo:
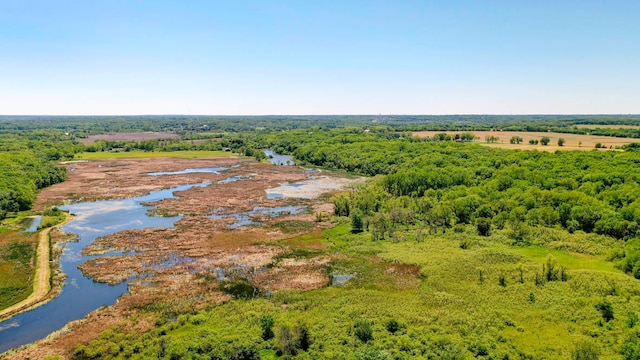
[123, 136]
[573, 141]
[597, 126]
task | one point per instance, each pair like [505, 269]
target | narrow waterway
[81, 295]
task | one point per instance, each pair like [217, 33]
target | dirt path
[41, 283]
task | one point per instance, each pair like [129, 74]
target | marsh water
[35, 222]
[80, 294]
[278, 159]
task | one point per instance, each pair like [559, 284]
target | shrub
[266, 324]
[630, 350]
[585, 350]
[632, 320]
[356, 222]
[502, 280]
[363, 330]
[483, 225]
[393, 326]
[292, 340]
[240, 289]
[606, 309]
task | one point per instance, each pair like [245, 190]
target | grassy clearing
[145, 154]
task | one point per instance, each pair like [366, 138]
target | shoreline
[42, 276]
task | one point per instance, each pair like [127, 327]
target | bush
[266, 324]
[585, 350]
[483, 225]
[292, 340]
[393, 326]
[630, 350]
[240, 289]
[363, 330]
[606, 309]
[356, 222]
[632, 320]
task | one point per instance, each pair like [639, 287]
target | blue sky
[319, 57]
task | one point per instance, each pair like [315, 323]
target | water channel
[81, 295]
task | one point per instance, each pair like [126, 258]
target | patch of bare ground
[124, 136]
[174, 270]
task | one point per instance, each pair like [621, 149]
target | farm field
[129, 136]
[573, 141]
[604, 126]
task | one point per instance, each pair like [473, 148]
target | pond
[35, 222]
[246, 218]
[215, 170]
[81, 295]
[278, 159]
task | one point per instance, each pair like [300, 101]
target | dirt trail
[41, 283]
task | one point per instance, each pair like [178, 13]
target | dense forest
[28, 164]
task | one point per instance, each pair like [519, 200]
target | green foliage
[545, 140]
[585, 350]
[393, 326]
[632, 319]
[363, 330]
[266, 324]
[630, 349]
[606, 310]
[239, 289]
[561, 141]
[292, 340]
[356, 222]
[483, 226]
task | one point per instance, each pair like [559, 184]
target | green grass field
[17, 251]
[145, 154]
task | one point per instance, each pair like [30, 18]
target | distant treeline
[190, 126]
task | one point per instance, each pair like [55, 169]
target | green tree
[266, 324]
[561, 142]
[363, 330]
[356, 222]
[483, 226]
[545, 140]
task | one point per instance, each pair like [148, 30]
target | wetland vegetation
[449, 250]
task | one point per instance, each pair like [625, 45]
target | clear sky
[319, 57]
